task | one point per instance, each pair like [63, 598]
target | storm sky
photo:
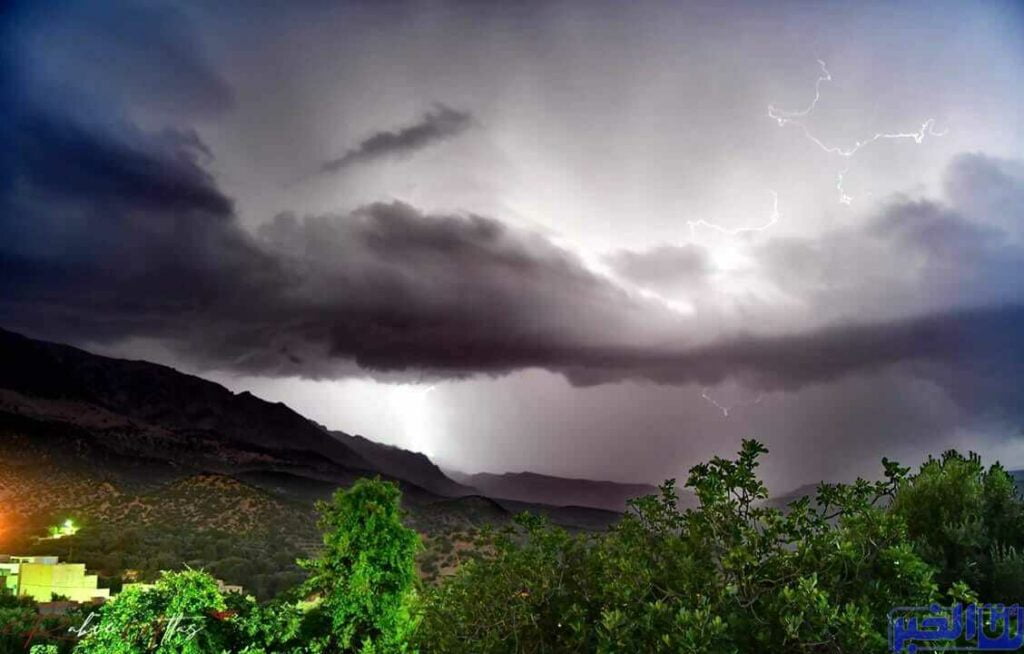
[568, 237]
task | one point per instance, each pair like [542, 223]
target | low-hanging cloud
[435, 126]
[136, 241]
[140, 243]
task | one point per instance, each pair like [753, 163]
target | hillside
[560, 491]
[129, 445]
[403, 464]
[70, 384]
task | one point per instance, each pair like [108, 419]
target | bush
[968, 522]
[731, 575]
[182, 614]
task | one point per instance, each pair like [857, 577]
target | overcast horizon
[590, 239]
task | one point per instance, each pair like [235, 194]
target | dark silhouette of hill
[783, 500]
[72, 423]
[413, 467]
[156, 397]
[559, 491]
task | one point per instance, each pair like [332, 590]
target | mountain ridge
[146, 421]
[161, 396]
[549, 489]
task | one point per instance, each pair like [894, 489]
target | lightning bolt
[725, 409]
[722, 408]
[782, 115]
[843, 197]
[772, 219]
[787, 118]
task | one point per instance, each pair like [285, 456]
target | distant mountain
[1018, 480]
[162, 469]
[136, 404]
[578, 518]
[559, 491]
[782, 500]
[403, 464]
[181, 416]
[82, 431]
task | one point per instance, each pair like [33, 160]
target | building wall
[51, 560]
[42, 580]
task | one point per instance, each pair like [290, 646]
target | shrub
[179, 615]
[968, 522]
[730, 576]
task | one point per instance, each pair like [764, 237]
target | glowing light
[786, 118]
[413, 409]
[728, 258]
[680, 307]
[66, 528]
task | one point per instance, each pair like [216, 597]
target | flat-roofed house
[42, 577]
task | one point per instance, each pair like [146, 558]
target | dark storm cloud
[435, 126]
[114, 54]
[118, 229]
[109, 231]
[975, 339]
[915, 256]
[988, 189]
[70, 161]
[390, 288]
[117, 234]
[110, 234]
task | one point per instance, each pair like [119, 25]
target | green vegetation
[365, 575]
[22, 628]
[178, 615]
[264, 564]
[732, 575]
[967, 522]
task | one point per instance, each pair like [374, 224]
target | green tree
[968, 521]
[17, 618]
[733, 575]
[183, 614]
[269, 628]
[365, 576]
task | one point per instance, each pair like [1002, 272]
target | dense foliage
[968, 522]
[732, 575]
[263, 564]
[365, 574]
